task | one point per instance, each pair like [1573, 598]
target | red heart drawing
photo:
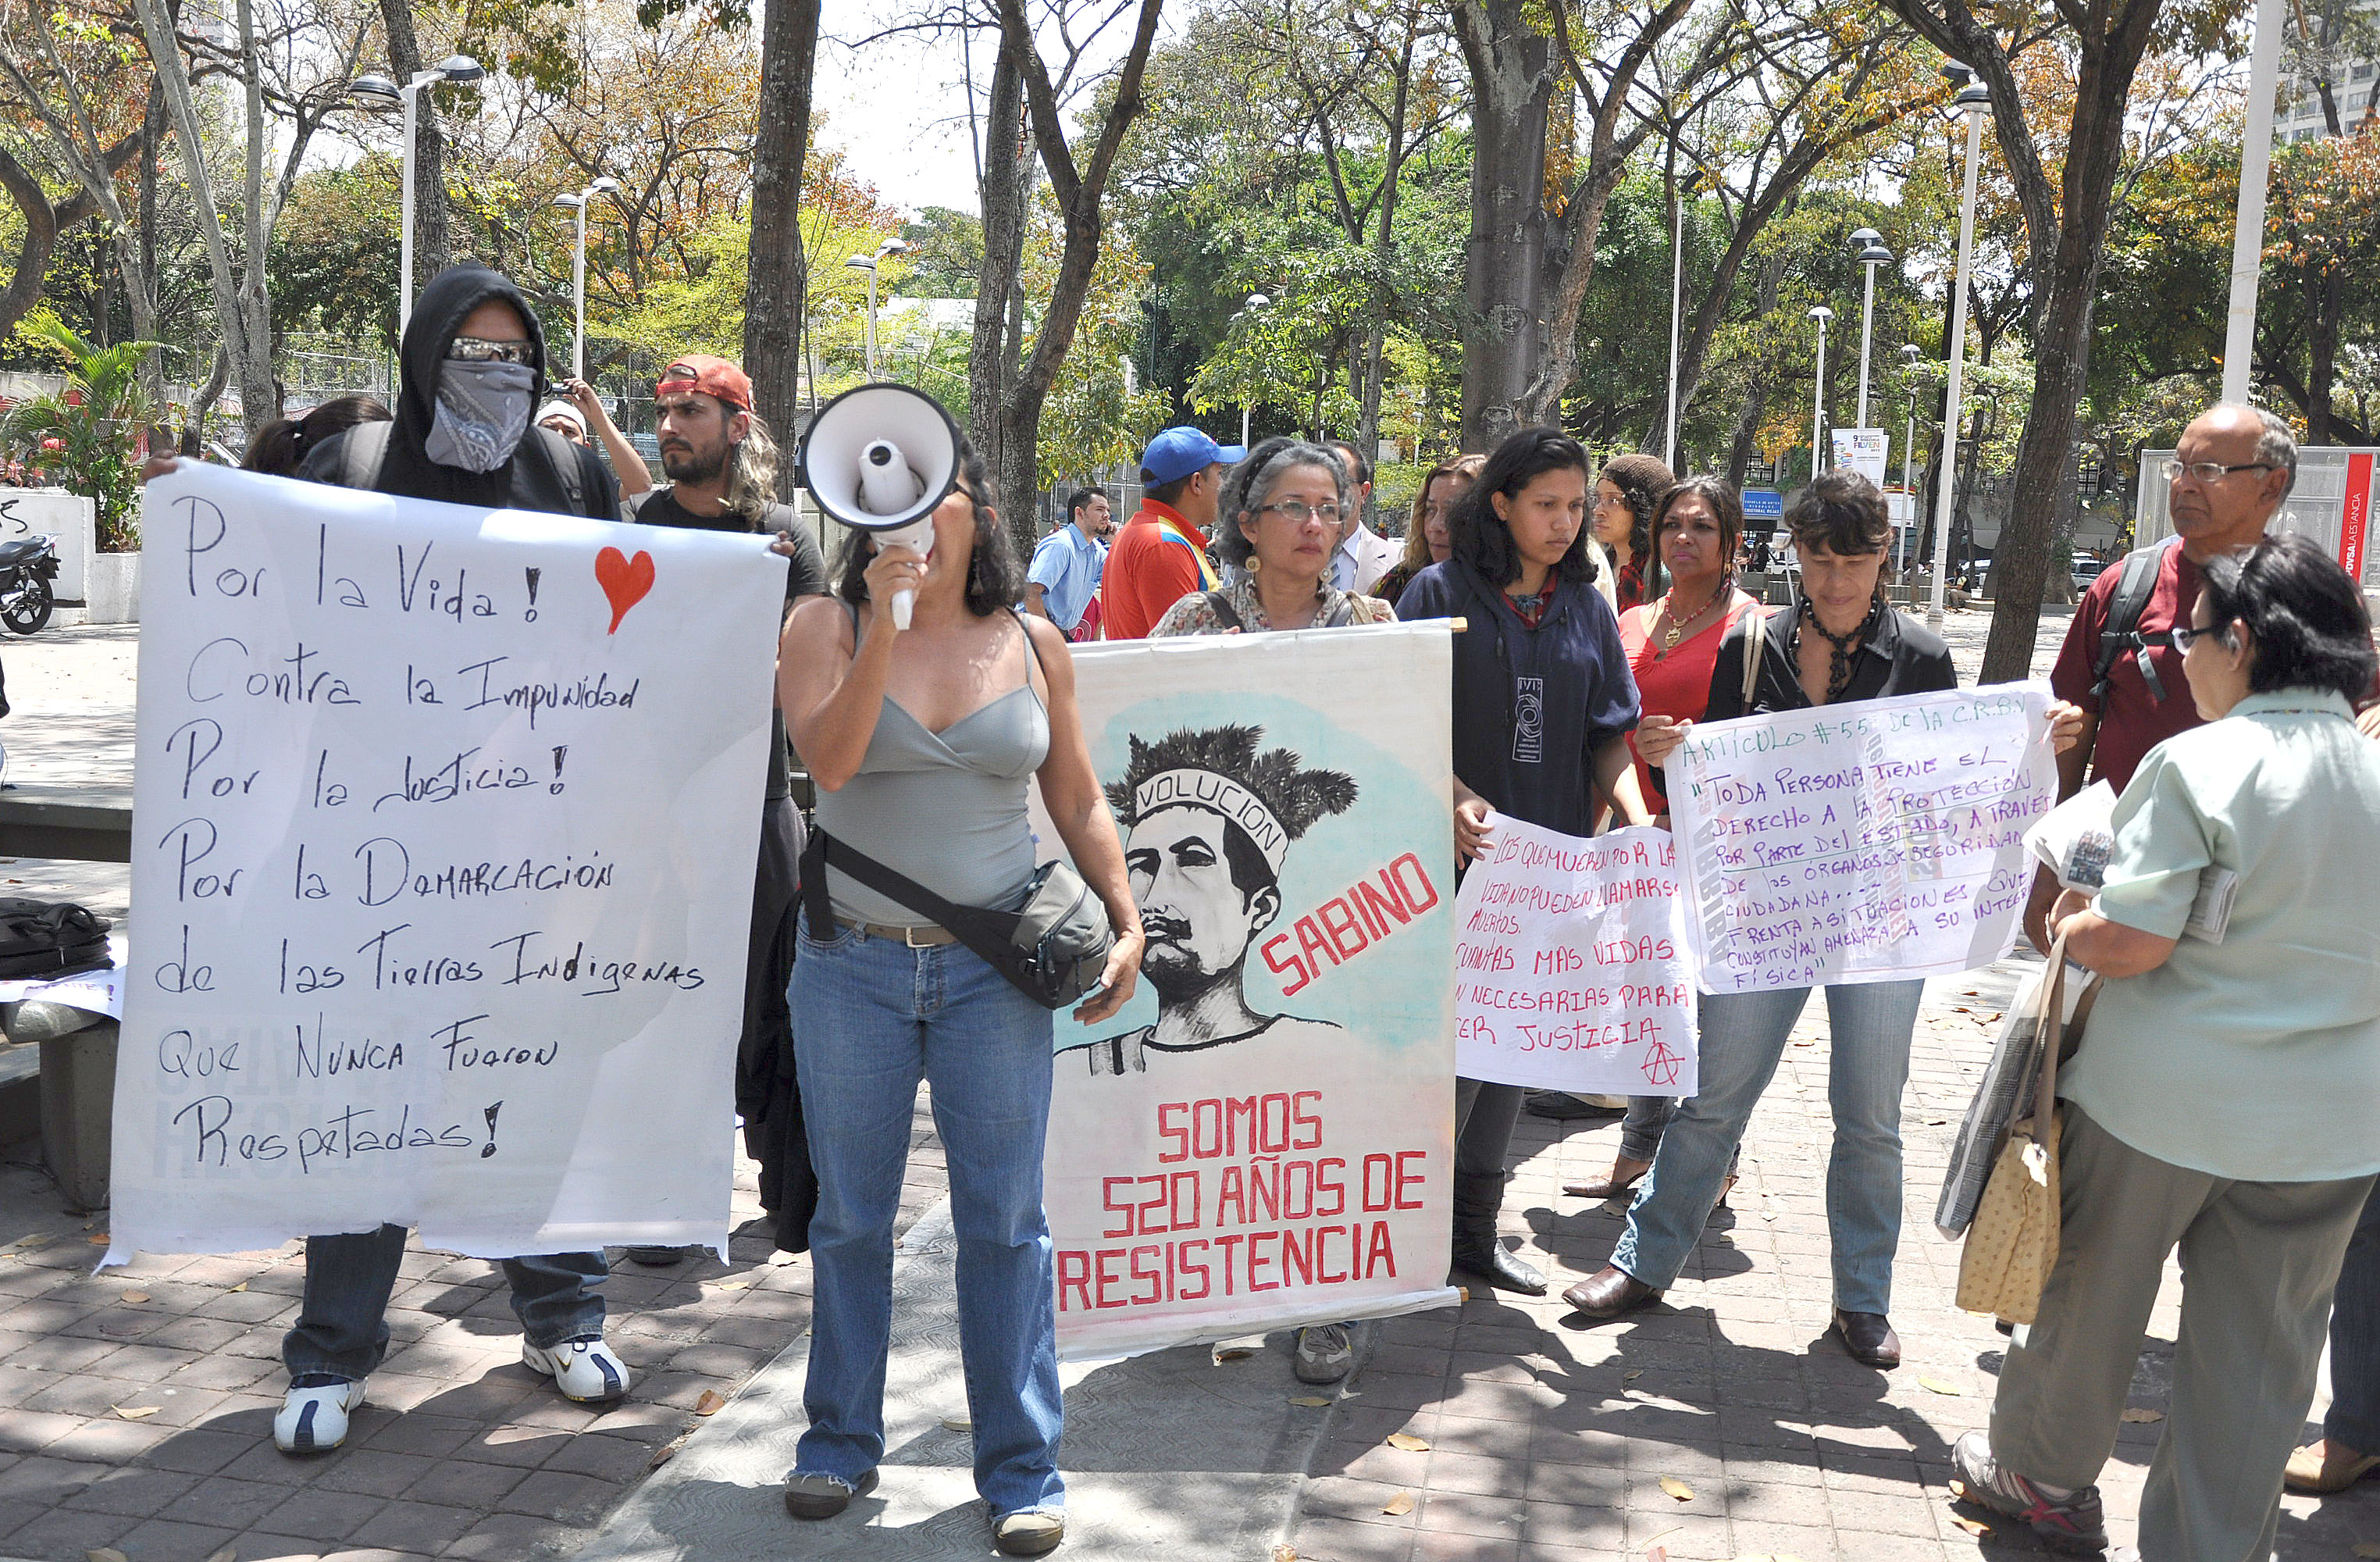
[625, 581]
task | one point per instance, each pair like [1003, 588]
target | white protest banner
[1570, 963]
[1265, 1135]
[445, 822]
[1867, 842]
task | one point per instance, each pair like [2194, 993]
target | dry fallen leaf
[1677, 1488]
[1402, 1503]
[1972, 1526]
[710, 1402]
[1632, 1374]
[1408, 1443]
[134, 1296]
[668, 1451]
[2367, 1548]
[136, 1413]
[1311, 1401]
[1233, 1353]
[97, 1239]
[1935, 1385]
[1284, 1552]
[737, 1286]
[227, 1554]
[2144, 1416]
[38, 1239]
[957, 1424]
[105, 1553]
[241, 1287]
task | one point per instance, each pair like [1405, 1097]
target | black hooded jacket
[531, 480]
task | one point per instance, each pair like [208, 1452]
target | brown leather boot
[1609, 1293]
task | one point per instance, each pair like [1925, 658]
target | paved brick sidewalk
[460, 1451]
[1550, 1436]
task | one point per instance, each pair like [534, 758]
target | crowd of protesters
[2223, 1108]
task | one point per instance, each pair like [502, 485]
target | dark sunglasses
[479, 349]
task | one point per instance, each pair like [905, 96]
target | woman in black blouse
[1840, 642]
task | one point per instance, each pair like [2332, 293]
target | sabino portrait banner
[1263, 1136]
[443, 870]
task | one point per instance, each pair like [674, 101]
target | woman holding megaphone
[921, 737]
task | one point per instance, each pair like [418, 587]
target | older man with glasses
[2234, 466]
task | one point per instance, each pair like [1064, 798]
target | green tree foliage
[83, 435]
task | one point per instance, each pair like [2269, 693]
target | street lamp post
[1870, 255]
[579, 271]
[386, 93]
[1910, 354]
[1820, 313]
[1256, 302]
[867, 264]
[1972, 99]
[1677, 306]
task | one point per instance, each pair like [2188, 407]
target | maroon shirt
[2130, 720]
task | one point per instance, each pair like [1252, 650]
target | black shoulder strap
[1219, 604]
[2133, 589]
[362, 452]
[968, 924]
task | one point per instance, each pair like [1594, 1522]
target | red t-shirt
[1157, 559]
[1676, 683]
[2132, 722]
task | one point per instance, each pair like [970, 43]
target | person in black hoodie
[474, 364]
[1543, 699]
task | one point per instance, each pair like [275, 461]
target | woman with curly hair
[1625, 494]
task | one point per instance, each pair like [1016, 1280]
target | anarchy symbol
[1661, 1063]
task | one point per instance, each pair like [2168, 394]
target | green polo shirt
[2256, 1059]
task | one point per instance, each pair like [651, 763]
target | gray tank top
[946, 809]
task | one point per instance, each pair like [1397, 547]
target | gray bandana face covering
[482, 414]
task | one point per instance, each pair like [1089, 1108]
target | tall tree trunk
[1513, 80]
[431, 244]
[2322, 343]
[776, 286]
[995, 346]
[1079, 187]
[243, 311]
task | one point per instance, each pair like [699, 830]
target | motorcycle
[27, 568]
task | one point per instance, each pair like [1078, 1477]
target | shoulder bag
[2012, 1242]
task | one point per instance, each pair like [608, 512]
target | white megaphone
[881, 458]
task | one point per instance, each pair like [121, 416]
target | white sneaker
[585, 1370]
[314, 1420]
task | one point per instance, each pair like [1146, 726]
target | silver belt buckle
[909, 936]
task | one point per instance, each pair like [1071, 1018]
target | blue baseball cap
[1176, 453]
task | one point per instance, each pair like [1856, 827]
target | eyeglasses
[479, 349]
[2211, 471]
[2183, 639]
[1296, 511]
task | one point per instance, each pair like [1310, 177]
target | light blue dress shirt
[1066, 566]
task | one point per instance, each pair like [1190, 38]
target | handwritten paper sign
[443, 859]
[1867, 842]
[1263, 1136]
[1571, 969]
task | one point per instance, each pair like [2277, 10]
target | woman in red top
[1672, 642]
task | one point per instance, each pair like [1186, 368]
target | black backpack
[2133, 589]
[49, 938]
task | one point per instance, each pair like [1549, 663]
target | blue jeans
[2354, 1416]
[871, 1015]
[1648, 1117]
[342, 1328]
[1742, 1037]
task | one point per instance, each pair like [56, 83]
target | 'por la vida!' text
[1246, 1199]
